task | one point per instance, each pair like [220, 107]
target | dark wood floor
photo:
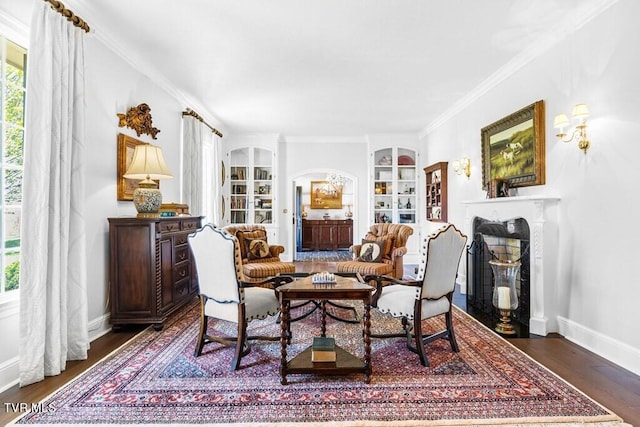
[615, 388]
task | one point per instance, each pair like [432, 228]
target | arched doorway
[302, 194]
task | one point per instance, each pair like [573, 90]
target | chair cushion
[256, 248]
[242, 235]
[260, 303]
[371, 251]
[399, 300]
[261, 270]
[364, 268]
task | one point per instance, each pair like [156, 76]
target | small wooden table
[345, 288]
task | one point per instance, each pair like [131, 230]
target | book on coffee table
[323, 349]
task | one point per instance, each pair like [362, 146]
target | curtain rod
[192, 113]
[58, 6]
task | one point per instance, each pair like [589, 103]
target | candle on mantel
[504, 298]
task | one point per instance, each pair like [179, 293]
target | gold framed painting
[513, 148]
[325, 196]
[126, 147]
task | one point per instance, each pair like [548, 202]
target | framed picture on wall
[126, 147]
[513, 148]
[325, 196]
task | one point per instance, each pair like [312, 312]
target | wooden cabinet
[436, 192]
[151, 273]
[329, 234]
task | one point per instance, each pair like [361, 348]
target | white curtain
[53, 293]
[192, 171]
[200, 170]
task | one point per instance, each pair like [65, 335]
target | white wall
[113, 86]
[596, 286]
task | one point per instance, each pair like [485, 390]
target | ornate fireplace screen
[505, 241]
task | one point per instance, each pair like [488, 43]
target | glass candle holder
[505, 294]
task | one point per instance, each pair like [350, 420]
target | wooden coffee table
[345, 288]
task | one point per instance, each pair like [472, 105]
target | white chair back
[443, 254]
[214, 255]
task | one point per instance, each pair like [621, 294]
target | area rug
[324, 256]
[154, 379]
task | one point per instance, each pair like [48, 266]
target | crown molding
[85, 9]
[325, 139]
[14, 29]
[533, 51]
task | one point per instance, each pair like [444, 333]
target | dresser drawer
[182, 271]
[181, 239]
[181, 289]
[182, 253]
[165, 226]
[190, 225]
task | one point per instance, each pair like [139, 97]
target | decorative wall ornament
[139, 119]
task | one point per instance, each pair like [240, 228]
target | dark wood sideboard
[331, 234]
[151, 272]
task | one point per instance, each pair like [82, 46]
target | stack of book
[323, 349]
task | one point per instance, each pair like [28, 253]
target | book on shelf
[323, 349]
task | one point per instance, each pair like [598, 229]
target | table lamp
[148, 165]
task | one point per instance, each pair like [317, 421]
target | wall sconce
[462, 165]
[580, 112]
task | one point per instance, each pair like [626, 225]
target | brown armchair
[260, 259]
[393, 239]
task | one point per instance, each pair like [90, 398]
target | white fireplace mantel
[541, 213]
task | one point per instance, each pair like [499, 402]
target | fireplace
[505, 241]
[540, 252]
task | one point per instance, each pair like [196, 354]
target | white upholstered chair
[223, 293]
[414, 301]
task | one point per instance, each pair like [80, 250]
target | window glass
[13, 60]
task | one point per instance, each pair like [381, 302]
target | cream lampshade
[147, 165]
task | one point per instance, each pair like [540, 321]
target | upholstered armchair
[260, 259]
[224, 294]
[416, 300]
[383, 256]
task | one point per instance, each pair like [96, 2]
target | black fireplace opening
[506, 241]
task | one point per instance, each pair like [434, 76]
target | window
[13, 61]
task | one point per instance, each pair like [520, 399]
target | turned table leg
[367, 340]
[284, 328]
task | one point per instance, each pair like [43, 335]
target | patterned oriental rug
[154, 379]
[324, 256]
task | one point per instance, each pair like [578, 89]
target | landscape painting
[325, 196]
[513, 148]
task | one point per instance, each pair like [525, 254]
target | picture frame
[126, 147]
[325, 196]
[498, 188]
[513, 148]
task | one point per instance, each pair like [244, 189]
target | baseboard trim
[611, 349]
[10, 369]
[9, 373]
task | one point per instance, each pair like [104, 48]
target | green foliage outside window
[13, 59]
[12, 276]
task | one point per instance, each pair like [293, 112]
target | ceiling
[345, 68]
